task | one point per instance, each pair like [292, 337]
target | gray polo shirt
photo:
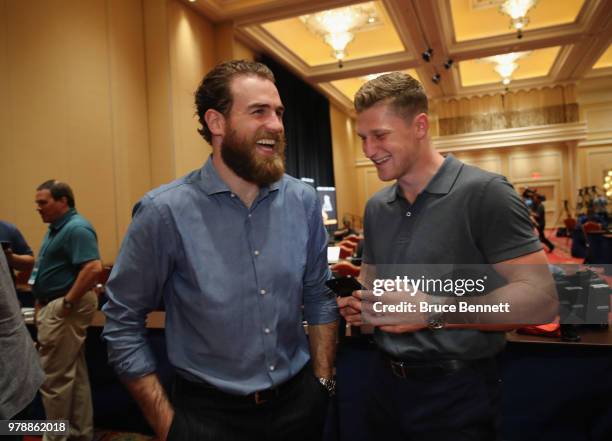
[465, 215]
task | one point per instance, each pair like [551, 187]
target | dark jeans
[459, 406]
[298, 413]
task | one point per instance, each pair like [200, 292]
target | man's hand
[363, 307]
[64, 312]
[350, 308]
[85, 281]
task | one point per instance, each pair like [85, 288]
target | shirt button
[233, 195]
[272, 367]
[256, 252]
[250, 214]
[266, 330]
[262, 292]
[408, 214]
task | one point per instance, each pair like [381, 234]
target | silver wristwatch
[329, 384]
[436, 321]
[67, 304]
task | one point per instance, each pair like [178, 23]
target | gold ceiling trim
[419, 23]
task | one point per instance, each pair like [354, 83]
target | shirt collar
[59, 223]
[441, 183]
[211, 182]
[445, 177]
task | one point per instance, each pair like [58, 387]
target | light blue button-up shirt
[233, 280]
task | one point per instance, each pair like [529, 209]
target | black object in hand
[344, 286]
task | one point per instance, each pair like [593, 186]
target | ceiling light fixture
[517, 10]
[338, 26]
[506, 64]
[427, 55]
[436, 78]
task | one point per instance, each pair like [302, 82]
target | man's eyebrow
[374, 132]
[265, 106]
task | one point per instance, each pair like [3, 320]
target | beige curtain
[536, 107]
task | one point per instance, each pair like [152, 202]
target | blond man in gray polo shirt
[437, 378]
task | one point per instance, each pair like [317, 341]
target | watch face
[436, 323]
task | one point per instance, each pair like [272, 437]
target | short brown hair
[214, 90]
[58, 190]
[402, 92]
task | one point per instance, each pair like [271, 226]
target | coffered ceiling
[564, 41]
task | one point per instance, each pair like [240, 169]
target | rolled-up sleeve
[135, 288]
[319, 302]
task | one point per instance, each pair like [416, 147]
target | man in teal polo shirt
[66, 270]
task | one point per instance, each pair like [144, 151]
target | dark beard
[241, 157]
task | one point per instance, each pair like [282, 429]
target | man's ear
[215, 122]
[421, 124]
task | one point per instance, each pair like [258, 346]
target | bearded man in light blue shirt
[237, 252]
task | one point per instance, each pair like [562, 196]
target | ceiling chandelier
[506, 64]
[337, 26]
[517, 10]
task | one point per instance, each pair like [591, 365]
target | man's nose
[275, 124]
[368, 148]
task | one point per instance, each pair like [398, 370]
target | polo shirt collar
[445, 177]
[441, 183]
[211, 182]
[59, 223]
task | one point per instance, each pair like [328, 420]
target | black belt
[202, 388]
[428, 369]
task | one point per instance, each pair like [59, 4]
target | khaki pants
[66, 394]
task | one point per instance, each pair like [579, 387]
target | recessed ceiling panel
[311, 49]
[349, 86]
[536, 64]
[605, 60]
[473, 19]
